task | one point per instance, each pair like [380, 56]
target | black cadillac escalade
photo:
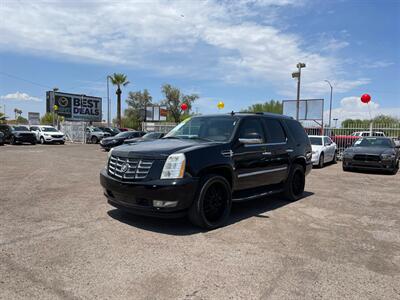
[207, 162]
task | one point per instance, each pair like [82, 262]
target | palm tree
[119, 79]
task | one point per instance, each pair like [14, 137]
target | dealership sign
[75, 107]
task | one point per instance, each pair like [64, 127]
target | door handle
[266, 153]
[289, 150]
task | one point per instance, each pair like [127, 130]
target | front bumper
[26, 139]
[374, 165]
[51, 139]
[137, 197]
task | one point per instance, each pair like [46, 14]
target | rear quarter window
[297, 131]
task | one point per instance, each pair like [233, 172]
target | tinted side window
[251, 129]
[297, 131]
[275, 131]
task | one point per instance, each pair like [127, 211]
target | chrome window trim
[261, 172]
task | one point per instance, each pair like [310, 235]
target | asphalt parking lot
[60, 239]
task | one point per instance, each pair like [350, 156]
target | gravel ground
[60, 239]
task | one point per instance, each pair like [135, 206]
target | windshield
[151, 135]
[374, 142]
[49, 129]
[20, 128]
[96, 129]
[115, 130]
[218, 128]
[316, 141]
[124, 134]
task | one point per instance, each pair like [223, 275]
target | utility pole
[298, 76]
[330, 103]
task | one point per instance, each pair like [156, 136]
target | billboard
[156, 113]
[75, 107]
[34, 118]
[309, 109]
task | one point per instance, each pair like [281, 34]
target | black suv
[205, 163]
[14, 134]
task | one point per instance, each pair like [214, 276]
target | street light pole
[108, 102]
[298, 76]
[330, 103]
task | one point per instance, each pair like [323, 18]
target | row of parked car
[17, 134]
[368, 151]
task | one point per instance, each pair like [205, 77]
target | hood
[370, 150]
[160, 148]
[23, 132]
[111, 138]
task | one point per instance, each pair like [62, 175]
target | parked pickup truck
[205, 163]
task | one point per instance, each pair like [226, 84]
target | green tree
[137, 102]
[47, 119]
[119, 80]
[380, 119]
[269, 106]
[21, 120]
[174, 98]
[17, 112]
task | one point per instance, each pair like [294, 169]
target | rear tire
[212, 206]
[294, 186]
[321, 161]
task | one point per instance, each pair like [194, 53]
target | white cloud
[377, 64]
[353, 108]
[17, 96]
[214, 40]
[335, 44]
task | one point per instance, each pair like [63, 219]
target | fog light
[159, 203]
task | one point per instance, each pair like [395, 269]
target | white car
[48, 134]
[323, 150]
[367, 133]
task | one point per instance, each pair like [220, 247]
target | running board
[269, 193]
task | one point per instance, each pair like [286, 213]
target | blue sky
[240, 52]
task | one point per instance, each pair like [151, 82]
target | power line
[23, 79]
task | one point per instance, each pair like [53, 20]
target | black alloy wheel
[212, 206]
[294, 186]
[93, 140]
[13, 140]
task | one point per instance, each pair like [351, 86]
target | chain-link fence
[157, 127]
[74, 131]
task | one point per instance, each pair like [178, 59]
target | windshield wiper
[200, 138]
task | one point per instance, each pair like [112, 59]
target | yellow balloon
[220, 105]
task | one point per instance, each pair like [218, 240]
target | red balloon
[365, 98]
[184, 106]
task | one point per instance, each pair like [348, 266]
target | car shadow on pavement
[182, 226]
[371, 172]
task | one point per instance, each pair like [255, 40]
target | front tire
[294, 186]
[13, 141]
[42, 141]
[321, 161]
[212, 206]
[93, 140]
[334, 160]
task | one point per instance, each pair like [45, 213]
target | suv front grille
[128, 169]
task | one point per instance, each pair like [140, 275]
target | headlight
[46, 134]
[174, 167]
[109, 153]
[388, 156]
